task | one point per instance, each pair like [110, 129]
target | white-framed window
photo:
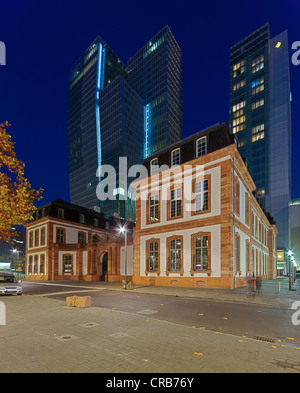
[201, 196]
[153, 208]
[175, 254]
[175, 205]
[200, 257]
[67, 264]
[201, 146]
[154, 166]
[175, 157]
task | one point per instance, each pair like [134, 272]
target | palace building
[198, 221]
[69, 242]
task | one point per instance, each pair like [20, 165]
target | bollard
[279, 287]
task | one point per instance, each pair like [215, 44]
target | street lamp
[290, 269]
[123, 230]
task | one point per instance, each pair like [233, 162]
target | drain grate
[265, 339]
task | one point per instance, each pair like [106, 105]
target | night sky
[44, 39]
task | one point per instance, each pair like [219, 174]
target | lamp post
[123, 230]
[290, 269]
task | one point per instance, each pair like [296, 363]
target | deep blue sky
[44, 38]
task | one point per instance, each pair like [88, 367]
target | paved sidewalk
[43, 335]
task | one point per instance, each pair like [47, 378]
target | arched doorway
[103, 266]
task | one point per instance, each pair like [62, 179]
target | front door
[104, 267]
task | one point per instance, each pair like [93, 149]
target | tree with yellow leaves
[16, 195]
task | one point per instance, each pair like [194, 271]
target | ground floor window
[68, 264]
[153, 256]
[175, 248]
[200, 252]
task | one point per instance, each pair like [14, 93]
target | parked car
[9, 284]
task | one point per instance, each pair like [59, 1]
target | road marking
[66, 292]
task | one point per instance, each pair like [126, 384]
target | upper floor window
[236, 195]
[43, 236]
[30, 239]
[81, 237]
[201, 196]
[154, 208]
[60, 213]
[81, 218]
[238, 68]
[201, 147]
[175, 157]
[238, 106]
[96, 222]
[154, 166]
[175, 202]
[258, 63]
[60, 236]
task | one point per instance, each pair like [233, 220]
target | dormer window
[154, 166]
[201, 146]
[175, 157]
[60, 213]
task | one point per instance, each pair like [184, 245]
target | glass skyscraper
[155, 74]
[121, 111]
[260, 116]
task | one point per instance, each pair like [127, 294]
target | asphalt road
[265, 323]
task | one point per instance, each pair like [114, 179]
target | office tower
[115, 111]
[155, 74]
[90, 75]
[260, 116]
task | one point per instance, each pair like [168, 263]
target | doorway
[103, 266]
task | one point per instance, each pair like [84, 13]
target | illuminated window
[154, 208]
[152, 256]
[238, 106]
[258, 128]
[258, 85]
[239, 85]
[238, 128]
[258, 63]
[258, 104]
[200, 251]
[258, 136]
[175, 254]
[239, 120]
[278, 45]
[68, 264]
[238, 68]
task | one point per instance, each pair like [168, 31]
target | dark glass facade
[155, 74]
[117, 111]
[249, 103]
[260, 117]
